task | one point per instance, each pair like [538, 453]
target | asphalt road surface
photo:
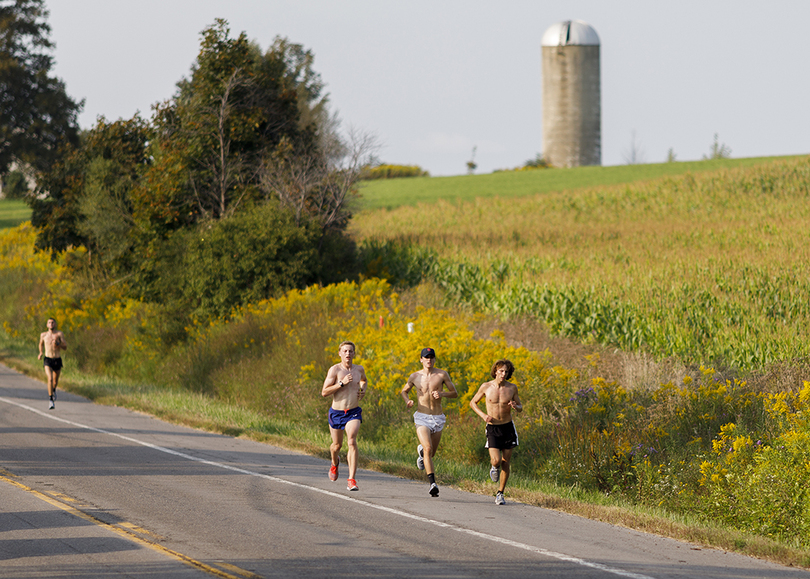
[93, 491]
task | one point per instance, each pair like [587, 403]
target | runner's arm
[476, 399]
[363, 384]
[515, 402]
[331, 384]
[451, 388]
[405, 392]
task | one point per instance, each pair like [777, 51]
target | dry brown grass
[630, 369]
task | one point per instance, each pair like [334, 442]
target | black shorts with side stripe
[501, 436]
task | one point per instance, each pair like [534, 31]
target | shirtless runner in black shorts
[501, 397]
[51, 344]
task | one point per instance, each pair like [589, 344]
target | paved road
[92, 491]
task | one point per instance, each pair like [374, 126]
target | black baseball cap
[428, 353]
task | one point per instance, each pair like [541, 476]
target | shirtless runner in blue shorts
[346, 383]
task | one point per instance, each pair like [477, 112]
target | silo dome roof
[570, 32]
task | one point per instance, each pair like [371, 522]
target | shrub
[760, 485]
[394, 172]
[402, 265]
[248, 257]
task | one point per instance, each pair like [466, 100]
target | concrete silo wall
[572, 121]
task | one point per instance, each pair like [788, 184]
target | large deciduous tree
[37, 117]
[233, 111]
[321, 184]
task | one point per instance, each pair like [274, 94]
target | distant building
[572, 110]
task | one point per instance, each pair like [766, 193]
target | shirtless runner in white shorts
[430, 384]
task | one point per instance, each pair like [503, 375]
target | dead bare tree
[214, 198]
[340, 183]
[320, 185]
[635, 154]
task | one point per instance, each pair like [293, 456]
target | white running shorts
[433, 422]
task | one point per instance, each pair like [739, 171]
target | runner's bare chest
[429, 383]
[51, 341]
[500, 395]
[354, 372]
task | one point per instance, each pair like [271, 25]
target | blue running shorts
[338, 419]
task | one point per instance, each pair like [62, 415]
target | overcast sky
[433, 79]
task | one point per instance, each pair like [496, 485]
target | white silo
[572, 115]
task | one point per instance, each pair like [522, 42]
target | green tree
[471, 164]
[37, 117]
[180, 210]
[90, 190]
[539, 162]
[718, 150]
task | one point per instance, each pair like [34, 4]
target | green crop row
[707, 268]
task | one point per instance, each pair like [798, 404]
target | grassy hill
[707, 266]
[13, 212]
[391, 193]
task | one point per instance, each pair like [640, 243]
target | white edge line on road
[493, 538]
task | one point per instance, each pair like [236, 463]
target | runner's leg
[337, 443]
[505, 468]
[423, 434]
[352, 428]
[49, 374]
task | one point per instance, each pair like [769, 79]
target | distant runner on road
[501, 397]
[429, 416]
[51, 344]
[346, 383]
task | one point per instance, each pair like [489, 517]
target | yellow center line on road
[237, 570]
[139, 530]
[131, 536]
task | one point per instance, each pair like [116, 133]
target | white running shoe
[420, 461]
[51, 405]
[434, 490]
[499, 500]
[495, 474]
